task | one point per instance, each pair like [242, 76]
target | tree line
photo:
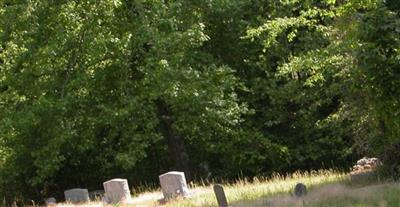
[92, 90]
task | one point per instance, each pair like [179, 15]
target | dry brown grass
[325, 189]
[331, 195]
[202, 195]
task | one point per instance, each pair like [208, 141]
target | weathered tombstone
[96, 195]
[117, 191]
[173, 184]
[77, 195]
[220, 195]
[300, 190]
[50, 201]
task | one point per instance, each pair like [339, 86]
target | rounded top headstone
[116, 180]
[300, 190]
[173, 184]
[117, 191]
[173, 173]
[220, 195]
[77, 189]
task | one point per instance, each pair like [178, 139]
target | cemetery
[280, 191]
[199, 103]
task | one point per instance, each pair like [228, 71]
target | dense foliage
[92, 90]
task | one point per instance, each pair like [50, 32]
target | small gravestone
[300, 190]
[76, 195]
[50, 201]
[173, 184]
[117, 191]
[220, 195]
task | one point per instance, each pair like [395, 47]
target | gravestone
[50, 201]
[173, 184]
[76, 195]
[117, 191]
[220, 195]
[300, 190]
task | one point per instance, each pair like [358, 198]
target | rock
[365, 170]
[173, 185]
[367, 167]
[357, 167]
[117, 191]
[362, 161]
[76, 195]
[300, 190]
[366, 164]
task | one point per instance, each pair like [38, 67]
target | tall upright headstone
[117, 191]
[173, 184]
[76, 195]
[220, 195]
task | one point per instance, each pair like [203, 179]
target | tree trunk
[175, 142]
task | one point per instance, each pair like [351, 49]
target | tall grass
[386, 195]
[202, 195]
[244, 190]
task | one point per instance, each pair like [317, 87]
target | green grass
[325, 188]
[247, 191]
[382, 196]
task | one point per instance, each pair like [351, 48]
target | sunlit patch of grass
[243, 190]
[89, 204]
[326, 188]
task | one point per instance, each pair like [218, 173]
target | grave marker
[300, 190]
[220, 195]
[173, 184]
[117, 191]
[76, 195]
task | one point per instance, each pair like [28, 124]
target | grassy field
[244, 191]
[384, 195]
[240, 193]
[325, 188]
[336, 195]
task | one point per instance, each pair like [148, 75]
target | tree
[378, 66]
[297, 90]
[97, 88]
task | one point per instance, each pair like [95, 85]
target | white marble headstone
[76, 195]
[117, 191]
[173, 184]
